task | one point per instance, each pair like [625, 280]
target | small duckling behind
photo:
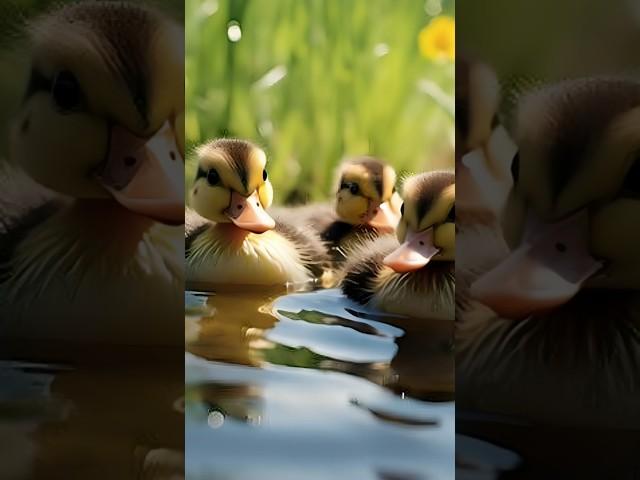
[230, 238]
[416, 278]
[367, 206]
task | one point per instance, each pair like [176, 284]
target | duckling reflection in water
[415, 278]
[98, 127]
[230, 238]
[564, 304]
[231, 328]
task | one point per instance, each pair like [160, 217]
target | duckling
[99, 131]
[559, 315]
[484, 149]
[233, 240]
[366, 206]
[417, 277]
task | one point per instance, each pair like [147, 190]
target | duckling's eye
[65, 91]
[402, 209]
[264, 175]
[452, 215]
[213, 178]
[515, 167]
[354, 188]
[632, 180]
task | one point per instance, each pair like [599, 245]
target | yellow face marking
[388, 183]
[364, 178]
[253, 165]
[438, 212]
[436, 217]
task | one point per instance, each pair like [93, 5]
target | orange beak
[382, 217]
[413, 254]
[544, 273]
[146, 175]
[247, 213]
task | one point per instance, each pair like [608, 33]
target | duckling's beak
[414, 253]
[145, 175]
[545, 272]
[247, 213]
[382, 217]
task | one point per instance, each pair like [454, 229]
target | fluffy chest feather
[95, 279]
[422, 294]
[218, 257]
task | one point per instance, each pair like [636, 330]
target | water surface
[117, 414]
[310, 385]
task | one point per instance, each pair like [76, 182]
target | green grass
[313, 81]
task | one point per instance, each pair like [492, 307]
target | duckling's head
[102, 111]
[571, 217]
[367, 195]
[477, 98]
[232, 185]
[427, 228]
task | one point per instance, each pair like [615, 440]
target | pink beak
[247, 213]
[146, 175]
[382, 217]
[545, 272]
[413, 254]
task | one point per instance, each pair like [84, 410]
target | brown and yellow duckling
[99, 130]
[230, 237]
[366, 206]
[417, 277]
[558, 316]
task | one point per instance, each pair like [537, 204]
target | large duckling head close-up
[367, 195]
[103, 108]
[232, 185]
[571, 215]
[427, 228]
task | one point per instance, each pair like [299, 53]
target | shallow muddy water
[309, 385]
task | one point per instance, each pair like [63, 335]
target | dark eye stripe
[515, 167]
[201, 173]
[353, 187]
[37, 83]
[211, 175]
[632, 179]
[451, 217]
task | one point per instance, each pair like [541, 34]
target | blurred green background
[532, 43]
[313, 81]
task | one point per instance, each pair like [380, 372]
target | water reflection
[309, 385]
[112, 417]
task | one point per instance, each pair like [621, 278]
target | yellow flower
[437, 41]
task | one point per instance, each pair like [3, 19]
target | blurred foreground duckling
[564, 303]
[484, 149]
[230, 237]
[98, 131]
[417, 277]
[576, 186]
